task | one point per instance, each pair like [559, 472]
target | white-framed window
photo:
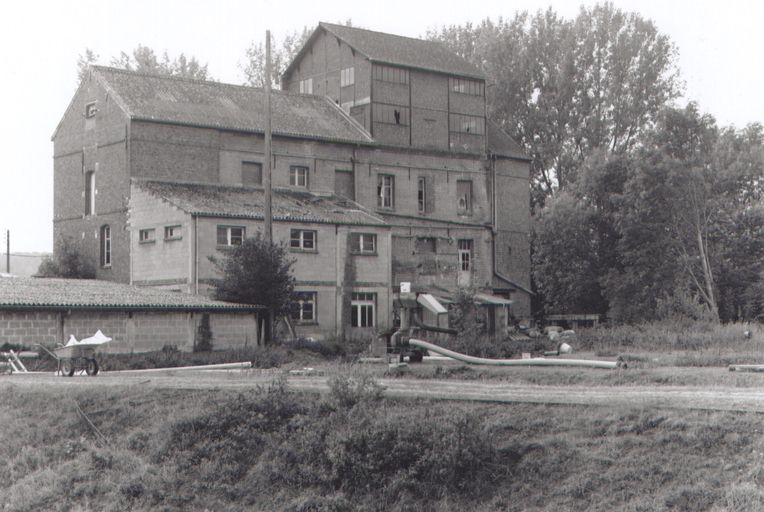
[465, 86]
[173, 232]
[251, 173]
[90, 193]
[386, 191]
[347, 77]
[363, 309]
[105, 246]
[363, 243]
[298, 176]
[306, 86]
[464, 248]
[421, 194]
[305, 307]
[146, 236]
[464, 196]
[302, 240]
[230, 235]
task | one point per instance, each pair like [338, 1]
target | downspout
[195, 266]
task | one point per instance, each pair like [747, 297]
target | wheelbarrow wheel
[66, 367]
[92, 367]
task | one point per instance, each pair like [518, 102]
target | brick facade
[429, 145]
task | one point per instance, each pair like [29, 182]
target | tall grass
[273, 450]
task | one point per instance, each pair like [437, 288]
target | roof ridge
[437, 43]
[197, 81]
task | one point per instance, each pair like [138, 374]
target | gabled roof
[499, 143]
[228, 107]
[248, 203]
[63, 294]
[403, 51]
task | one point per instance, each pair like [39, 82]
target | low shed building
[48, 311]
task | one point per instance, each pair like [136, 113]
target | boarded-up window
[90, 193]
[344, 184]
[251, 173]
[464, 196]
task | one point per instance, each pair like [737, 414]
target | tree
[567, 88]
[281, 56]
[256, 272]
[144, 60]
[67, 262]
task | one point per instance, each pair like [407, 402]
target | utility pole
[268, 157]
[8, 251]
[267, 213]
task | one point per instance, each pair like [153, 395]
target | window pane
[307, 239]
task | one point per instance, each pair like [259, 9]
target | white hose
[536, 361]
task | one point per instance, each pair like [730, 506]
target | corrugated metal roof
[241, 202]
[398, 50]
[228, 107]
[51, 293]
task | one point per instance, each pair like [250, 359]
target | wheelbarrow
[80, 355]
[73, 358]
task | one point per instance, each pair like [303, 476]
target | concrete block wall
[29, 327]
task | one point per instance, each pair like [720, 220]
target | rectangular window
[105, 246]
[298, 176]
[363, 243]
[386, 191]
[302, 240]
[347, 77]
[90, 193]
[230, 235]
[305, 307]
[464, 196]
[306, 86]
[146, 235]
[465, 86]
[362, 309]
[465, 255]
[462, 123]
[391, 74]
[421, 194]
[173, 233]
[391, 114]
[251, 174]
[90, 110]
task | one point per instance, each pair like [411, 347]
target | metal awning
[431, 303]
[493, 300]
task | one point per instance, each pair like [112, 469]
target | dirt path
[674, 397]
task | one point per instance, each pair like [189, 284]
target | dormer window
[90, 110]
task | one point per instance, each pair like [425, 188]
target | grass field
[130, 448]
[275, 450]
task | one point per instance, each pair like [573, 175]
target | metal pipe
[537, 361]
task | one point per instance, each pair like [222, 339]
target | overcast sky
[720, 45]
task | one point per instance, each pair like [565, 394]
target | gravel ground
[722, 398]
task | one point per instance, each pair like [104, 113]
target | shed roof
[500, 143]
[397, 50]
[217, 105]
[288, 205]
[64, 294]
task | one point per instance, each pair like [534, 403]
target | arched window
[105, 246]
